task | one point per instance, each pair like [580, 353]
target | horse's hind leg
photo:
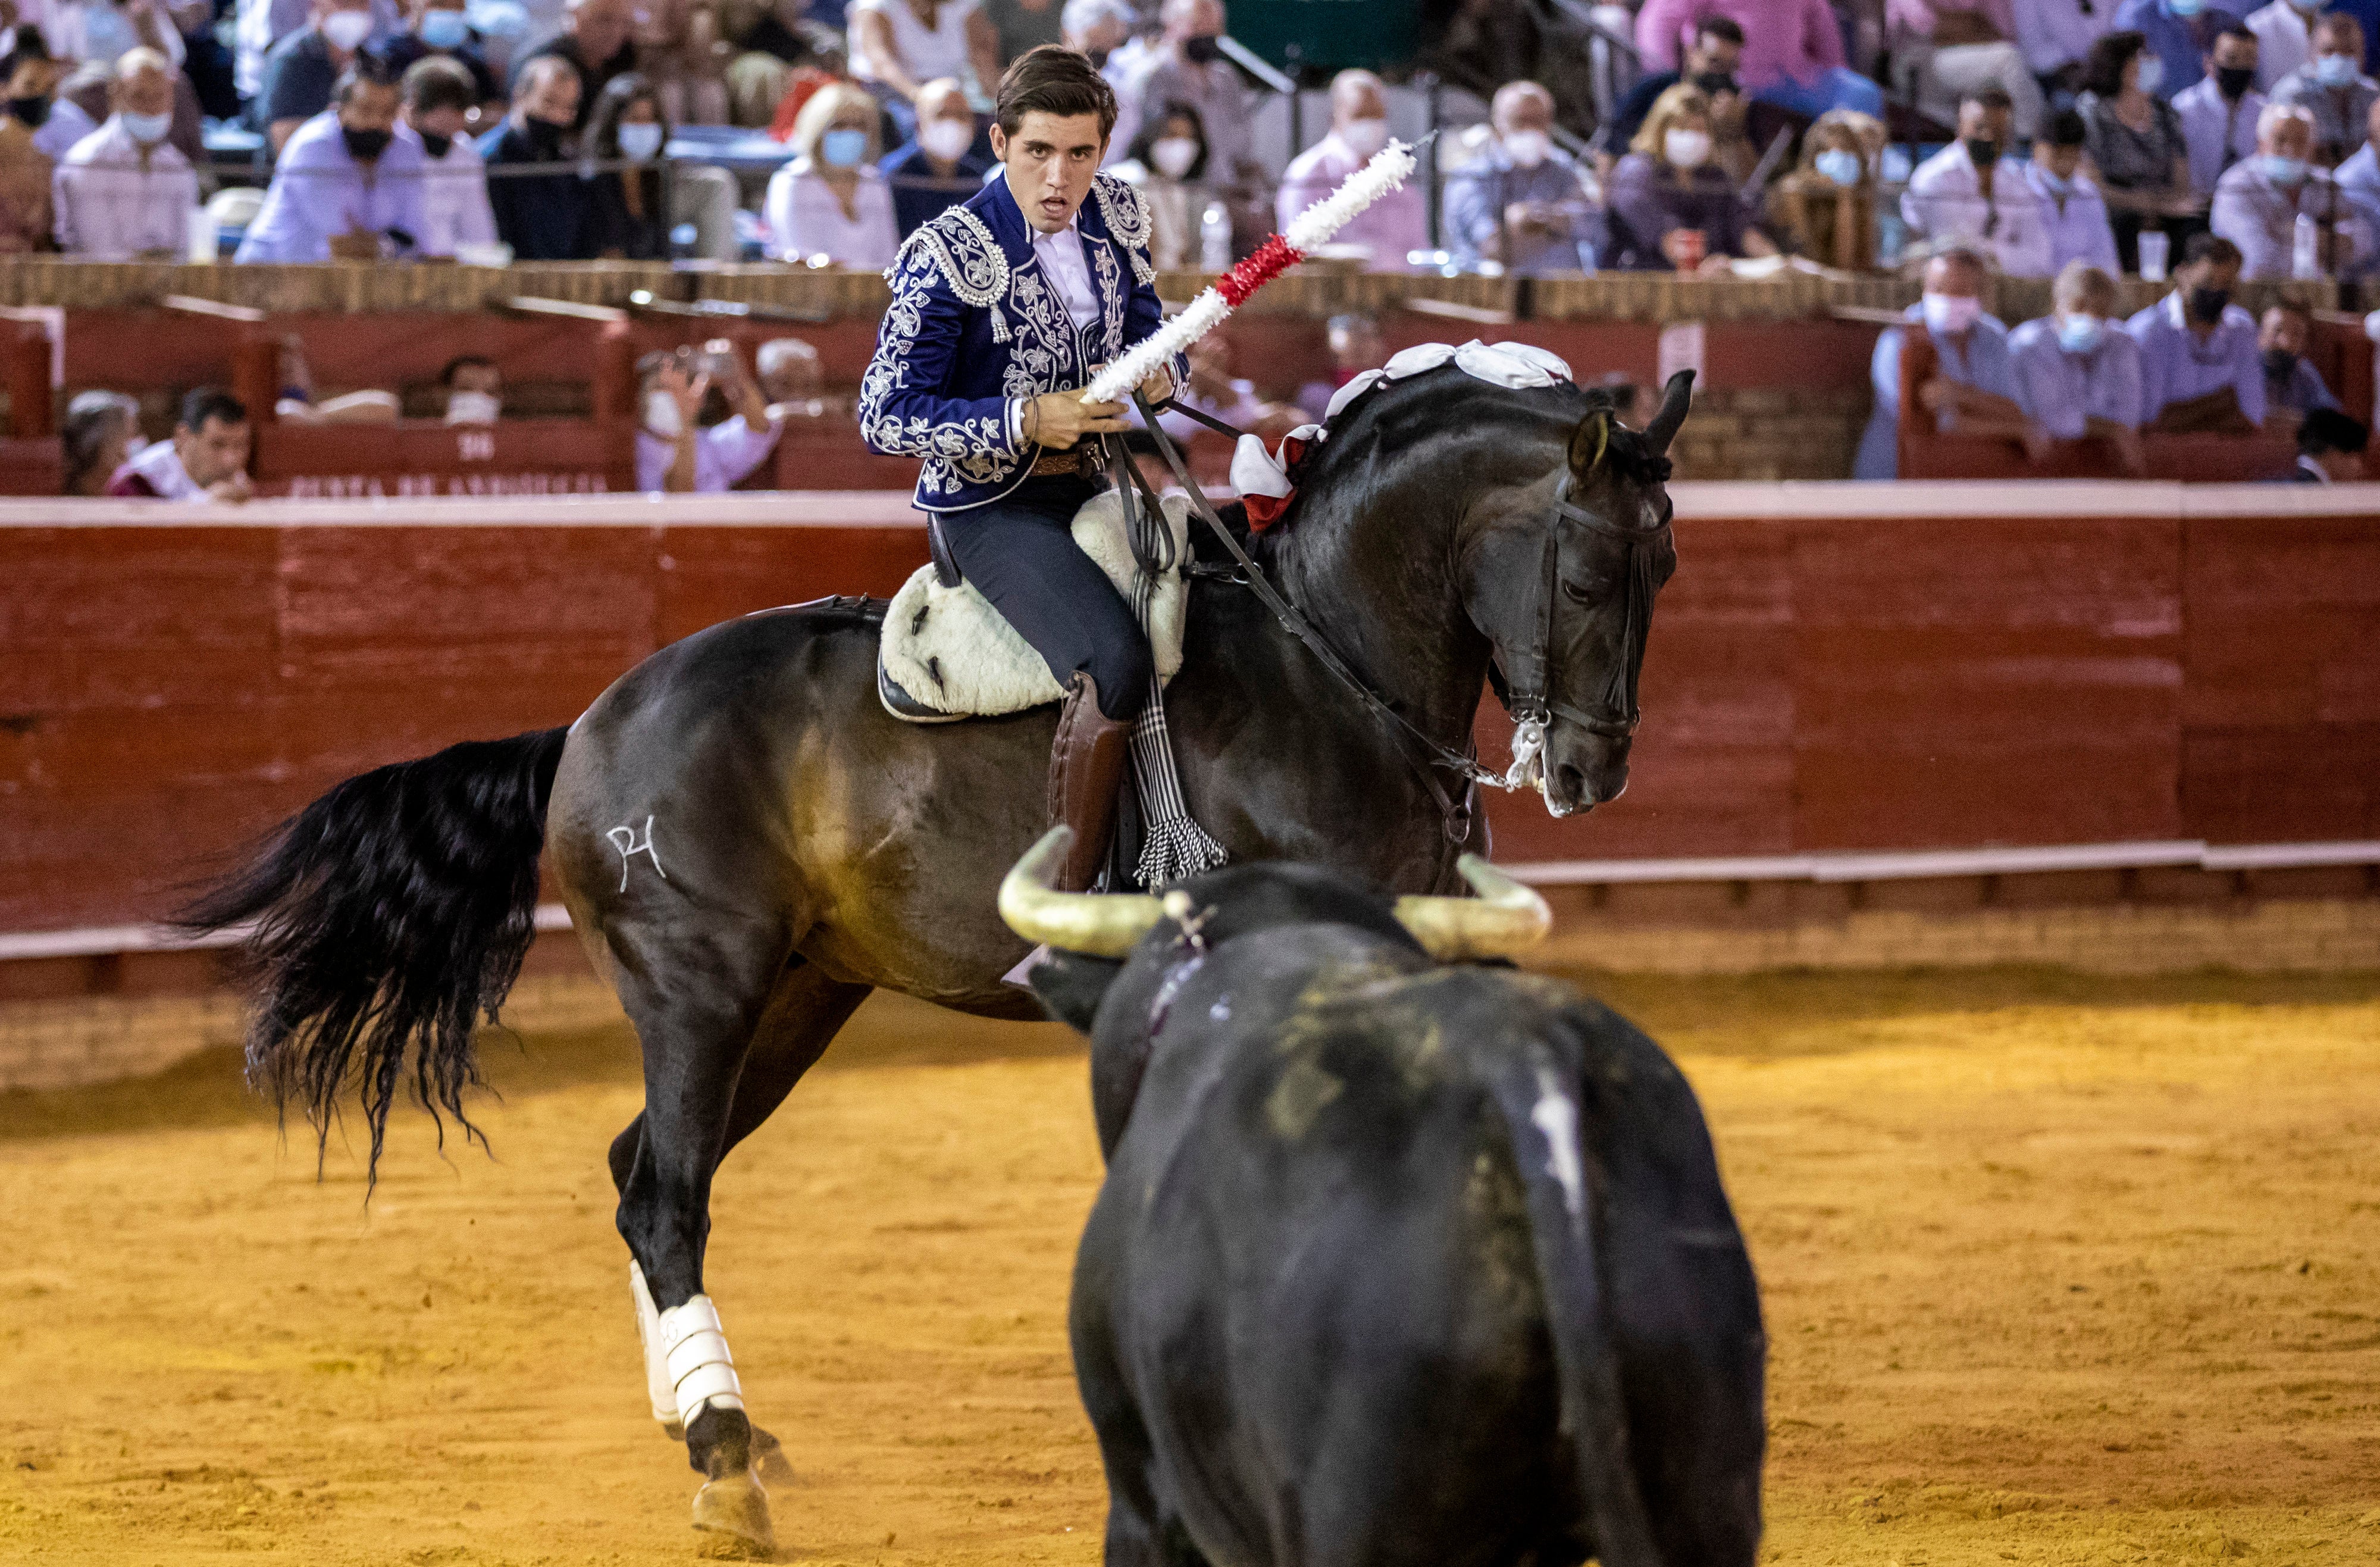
[804, 1015]
[701, 996]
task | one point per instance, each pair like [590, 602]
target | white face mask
[1364, 137]
[475, 407]
[638, 143]
[946, 140]
[1686, 149]
[146, 128]
[1527, 149]
[662, 415]
[1174, 155]
[1951, 312]
[347, 29]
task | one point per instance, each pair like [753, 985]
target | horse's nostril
[1574, 786]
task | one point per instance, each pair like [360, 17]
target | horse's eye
[1584, 592]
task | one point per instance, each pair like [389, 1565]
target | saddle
[946, 654]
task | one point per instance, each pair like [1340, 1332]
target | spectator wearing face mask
[2218, 115]
[2293, 388]
[2076, 372]
[626, 214]
[124, 190]
[260, 25]
[1973, 190]
[474, 388]
[1827, 205]
[1973, 390]
[1169, 163]
[99, 32]
[206, 461]
[1792, 51]
[830, 200]
[25, 221]
[897, 46]
[438, 30]
[2137, 155]
[439, 98]
[1522, 202]
[2330, 448]
[791, 379]
[2332, 89]
[2200, 369]
[2072, 207]
[1710, 62]
[1189, 67]
[676, 454]
[940, 168]
[540, 210]
[2284, 39]
[100, 431]
[1666, 189]
[598, 42]
[1945, 51]
[2180, 34]
[2257, 204]
[304, 69]
[1100, 29]
[33, 76]
[345, 185]
[1395, 225]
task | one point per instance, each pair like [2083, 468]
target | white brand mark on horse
[624, 838]
[1556, 1117]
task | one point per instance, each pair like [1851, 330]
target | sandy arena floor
[2058, 1270]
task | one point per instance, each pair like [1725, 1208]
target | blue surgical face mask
[2152, 74]
[638, 143]
[445, 29]
[843, 149]
[145, 128]
[1840, 164]
[2282, 169]
[2079, 335]
[2336, 70]
[2185, 7]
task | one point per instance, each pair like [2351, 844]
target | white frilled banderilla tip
[1390, 167]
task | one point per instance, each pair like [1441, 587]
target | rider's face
[1051, 161]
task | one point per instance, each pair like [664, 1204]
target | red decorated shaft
[1267, 262]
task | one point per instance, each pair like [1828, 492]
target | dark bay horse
[748, 843]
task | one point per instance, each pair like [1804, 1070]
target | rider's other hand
[1058, 419]
[1158, 386]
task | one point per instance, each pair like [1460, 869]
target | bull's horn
[1100, 924]
[1505, 918]
[1676, 398]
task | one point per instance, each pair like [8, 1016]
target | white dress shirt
[805, 219]
[2077, 221]
[454, 208]
[65, 126]
[1069, 270]
[116, 198]
[2215, 132]
[1945, 201]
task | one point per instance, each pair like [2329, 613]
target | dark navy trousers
[1020, 553]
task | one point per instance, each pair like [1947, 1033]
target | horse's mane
[1395, 413]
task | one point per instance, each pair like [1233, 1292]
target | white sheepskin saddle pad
[946, 654]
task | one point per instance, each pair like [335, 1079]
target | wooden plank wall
[1814, 683]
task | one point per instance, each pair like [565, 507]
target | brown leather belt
[1054, 464]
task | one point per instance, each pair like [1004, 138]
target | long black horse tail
[383, 921]
[1540, 1109]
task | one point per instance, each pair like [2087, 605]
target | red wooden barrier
[1834, 666]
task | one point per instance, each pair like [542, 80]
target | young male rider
[1003, 308]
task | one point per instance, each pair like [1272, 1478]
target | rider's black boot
[1086, 769]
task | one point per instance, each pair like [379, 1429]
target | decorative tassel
[1388, 169]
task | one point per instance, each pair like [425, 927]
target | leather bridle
[1531, 699]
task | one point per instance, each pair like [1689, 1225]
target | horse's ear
[1589, 441]
[1675, 399]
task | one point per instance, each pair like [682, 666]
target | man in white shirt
[439, 95]
[676, 454]
[206, 461]
[2219, 111]
[2284, 39]
[1395, 225]
[1973, 190]
[124, 190]
[2258, 204]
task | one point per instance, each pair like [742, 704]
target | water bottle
[206, 237]
[2154, 252]
[1215, 239]
[2305, 254]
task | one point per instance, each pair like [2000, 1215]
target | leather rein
[1530, 699]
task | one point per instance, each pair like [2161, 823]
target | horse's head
[1561, 578]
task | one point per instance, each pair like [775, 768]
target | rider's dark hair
[1055, 79]
[207, 403]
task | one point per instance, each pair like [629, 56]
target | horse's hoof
[769, 1460]
[733, 1512]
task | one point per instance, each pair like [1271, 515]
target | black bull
[747, 844]
[1397, 1262]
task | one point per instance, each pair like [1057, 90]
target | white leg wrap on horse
[659, 1386]
[699, 1367]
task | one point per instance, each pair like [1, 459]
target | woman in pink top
[1792, 51]
[831, 201]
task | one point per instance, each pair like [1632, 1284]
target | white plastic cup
[2155, 250]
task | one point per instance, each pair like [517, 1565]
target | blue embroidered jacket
[975, 323]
